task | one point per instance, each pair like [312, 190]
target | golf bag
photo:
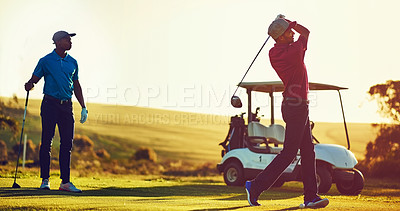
[236, 135]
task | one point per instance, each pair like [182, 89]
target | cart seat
[273, 134]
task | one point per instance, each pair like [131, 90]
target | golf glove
[84, 115]
[279, 16]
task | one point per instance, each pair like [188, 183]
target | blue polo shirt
[59, 75]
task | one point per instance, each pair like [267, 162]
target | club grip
[27, 96]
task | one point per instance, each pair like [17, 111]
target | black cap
[61, 34]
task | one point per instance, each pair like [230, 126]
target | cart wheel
[233, 174]
[324, 178]
[351, 187]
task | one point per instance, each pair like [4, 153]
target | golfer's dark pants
[297, 136]
[52, 113]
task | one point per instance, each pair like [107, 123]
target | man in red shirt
[287, 58]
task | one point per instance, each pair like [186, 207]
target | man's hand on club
[84, 115]
[29, 86]
[280, 16]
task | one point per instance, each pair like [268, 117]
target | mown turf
[178, 136]
[131, 192]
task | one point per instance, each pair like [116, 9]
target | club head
[15, 185]
[236, 102]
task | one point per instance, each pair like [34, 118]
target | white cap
[279, 26]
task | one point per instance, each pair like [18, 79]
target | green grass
[132, 192]
[176, 136]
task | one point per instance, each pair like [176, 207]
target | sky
[189, 55]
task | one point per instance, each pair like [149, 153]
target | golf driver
[235, 100]
[15, 185]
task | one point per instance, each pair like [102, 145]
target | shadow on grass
[240, 207]
[220, 192]
[227, 208]
[157, 191]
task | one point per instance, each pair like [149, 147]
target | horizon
[105, 117]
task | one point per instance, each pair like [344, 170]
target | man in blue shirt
[60, 72]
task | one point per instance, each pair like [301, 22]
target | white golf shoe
[69, 187]
[45, 184]
[316, 203]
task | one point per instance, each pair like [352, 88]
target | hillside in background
[173, 135]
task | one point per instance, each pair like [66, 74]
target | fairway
[177, 136]
[131, 192]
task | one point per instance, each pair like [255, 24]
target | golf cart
[249, 149]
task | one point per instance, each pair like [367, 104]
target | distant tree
[83, 143]
[382, 156]
[3, 153]
[83, 146]
[145, 153]
[31, 153]
[6, 121]
[388, 98]
[102, 153]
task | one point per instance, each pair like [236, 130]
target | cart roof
[277, 86]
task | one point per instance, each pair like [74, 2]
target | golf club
[15, 185]
[235, 100]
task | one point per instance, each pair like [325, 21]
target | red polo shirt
[288, 62]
